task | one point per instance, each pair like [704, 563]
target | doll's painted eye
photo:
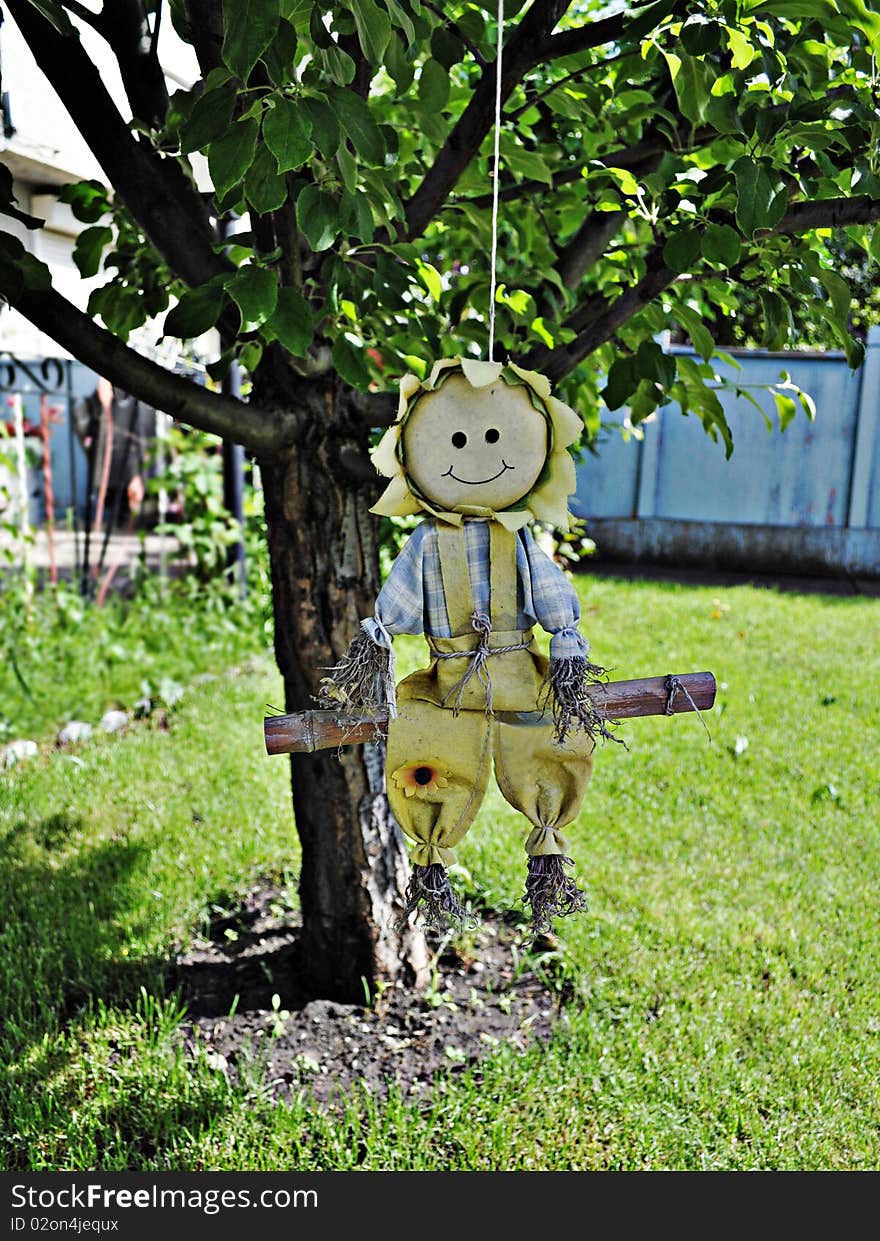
[459, 439]
[493, 435]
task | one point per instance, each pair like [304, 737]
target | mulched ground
[477, 1001]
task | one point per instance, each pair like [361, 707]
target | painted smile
[479, 482]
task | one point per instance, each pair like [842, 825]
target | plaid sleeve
[554, 602]
[400, 602]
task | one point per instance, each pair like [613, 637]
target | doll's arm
[364, 677]
[557, 609]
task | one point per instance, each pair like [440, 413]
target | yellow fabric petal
[408, 387]
[396, 500]
[552, 511]
[384, 455]
[481, 374]
[438, 367]
[538, 383]
[567, 425]
[514, 520]
[550, 502]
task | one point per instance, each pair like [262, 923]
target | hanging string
[495, 179]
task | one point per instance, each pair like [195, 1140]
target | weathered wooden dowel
[308, 731]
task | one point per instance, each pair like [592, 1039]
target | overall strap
[456, 581]
[503, 577]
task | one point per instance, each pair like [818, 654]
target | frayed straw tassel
[550, 892]
[567, 692]
[363, 678]
[430, 894]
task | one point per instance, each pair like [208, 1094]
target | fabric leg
[437, 772]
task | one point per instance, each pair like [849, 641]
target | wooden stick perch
[307, 731]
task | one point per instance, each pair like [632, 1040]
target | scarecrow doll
[481, 449]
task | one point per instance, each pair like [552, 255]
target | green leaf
[742, 50]
[210, 118]
[317, 216]
[527, 164]
[777, 319]
[255, 292]
[348, 169]
[357, 123]
[700, 37]
[430, 278]
[230, 157]
[89, 248]
[652, 363]
[721, 245]
[287, 133]
[87, 200]
[622, 381]
[338, 65]
[785, 409]
[265, 188]
[818, 10]
[11, 276]
[197, 311]
[292, 322]
[701, 338]
[839, 292]
[280, 56]
[681, 249]
[433, 86]
[56, 14]
[248, 28]
[122, 308]
[692, 79]
[399, 65]
[760, 196]
[349, 363]
[35, 273]
[401, 19]
[373, 28]
[323, 125]
[355, 215]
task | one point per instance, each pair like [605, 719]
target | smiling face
[466, 446]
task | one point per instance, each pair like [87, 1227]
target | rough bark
[325, 577]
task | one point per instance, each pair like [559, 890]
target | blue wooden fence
[803, 500]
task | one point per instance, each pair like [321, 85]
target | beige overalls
[479, 702]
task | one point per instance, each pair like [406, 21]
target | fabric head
[479, 439]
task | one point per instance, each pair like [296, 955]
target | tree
[656, 162]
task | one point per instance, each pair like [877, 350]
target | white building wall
[46, 151]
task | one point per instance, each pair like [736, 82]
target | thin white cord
[495, 179]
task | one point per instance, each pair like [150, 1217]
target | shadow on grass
[64, 916]
[250, 953]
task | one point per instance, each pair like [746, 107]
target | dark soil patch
[487, 989]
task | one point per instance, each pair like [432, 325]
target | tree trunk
[325, 578]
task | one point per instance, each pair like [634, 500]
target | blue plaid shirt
[412, 599]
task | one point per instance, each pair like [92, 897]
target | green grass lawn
[725, 1008]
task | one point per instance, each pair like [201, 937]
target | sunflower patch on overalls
[481, 449]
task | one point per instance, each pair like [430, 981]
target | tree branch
[124, 25]
[264, 433]
[155, 190]
[84, 14]
[829, 213]
[579, 38]
[205, 31]
[596, 320]
[467, 134]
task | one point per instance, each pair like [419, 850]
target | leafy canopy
[701, 154]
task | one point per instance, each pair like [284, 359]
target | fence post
[865, 434]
